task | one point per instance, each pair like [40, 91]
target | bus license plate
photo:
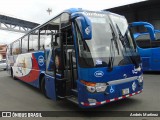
[125, 91]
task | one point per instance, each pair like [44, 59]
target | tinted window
[157, 35]
[33, 41]
[64, 19]
[143, 41]
[45, 39]
[16, 48]
[47, 33]
[143, 37]
[25, 44]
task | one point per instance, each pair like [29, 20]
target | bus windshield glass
[125, 38]
[121, 26]
[98, 51]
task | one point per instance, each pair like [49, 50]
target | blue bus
[86, 57]
[148, 45]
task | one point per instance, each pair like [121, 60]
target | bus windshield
[103, 46]
[126, 41]
[121, 25]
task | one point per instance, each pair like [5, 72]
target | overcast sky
[35, 10]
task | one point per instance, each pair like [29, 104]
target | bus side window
[56, 41]
[45, 39]
[33, 41]
[16, 48]
[143, 41]
[25, 44]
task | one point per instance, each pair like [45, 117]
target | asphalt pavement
[16, 95]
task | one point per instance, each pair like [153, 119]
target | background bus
[87, 57]
[148, 45]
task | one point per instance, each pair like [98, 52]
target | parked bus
[148, 45]
[87, 57]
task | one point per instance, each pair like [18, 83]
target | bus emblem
[41, 60]
[98, 74]
[134, 86]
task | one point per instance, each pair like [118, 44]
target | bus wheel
[43, 89]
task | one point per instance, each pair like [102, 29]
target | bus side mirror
[85, 28]
[151, 31]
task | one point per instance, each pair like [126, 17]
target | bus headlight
[95, 87]
[140, 79]
[101, 87]
[91, 89]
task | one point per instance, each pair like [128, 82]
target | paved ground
[18, 96]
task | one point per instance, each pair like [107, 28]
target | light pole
[49, 10]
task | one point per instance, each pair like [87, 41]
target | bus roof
[70, 11]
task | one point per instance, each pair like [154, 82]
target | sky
[35, 10]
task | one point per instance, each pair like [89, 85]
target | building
[3, 49]
[143, 11]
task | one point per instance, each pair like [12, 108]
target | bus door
[61, 72]
[69, 65]
[50, 72]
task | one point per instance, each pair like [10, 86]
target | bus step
[74, 92]
[73, 99]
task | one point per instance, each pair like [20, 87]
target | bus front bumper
[109, 100]
[87, 99]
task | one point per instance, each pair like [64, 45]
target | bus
[148, 45]
[86, 57]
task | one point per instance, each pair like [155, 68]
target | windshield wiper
[114, 39]
[125, 44]
[112, 51]
[111, 58]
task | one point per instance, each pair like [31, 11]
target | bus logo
[134, 86]
[98, 74]
[41, 60]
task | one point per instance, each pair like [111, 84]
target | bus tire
[12, 75]
[43, 90]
